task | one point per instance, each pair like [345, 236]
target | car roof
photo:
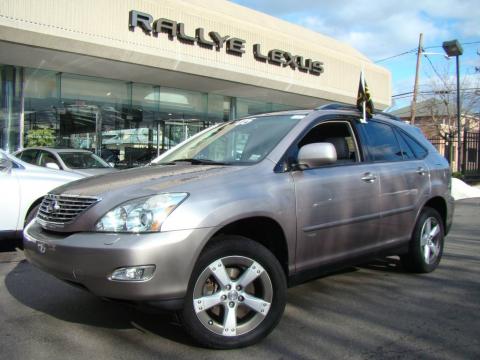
[57, 150]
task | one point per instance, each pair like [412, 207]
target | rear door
[403, 180]
[337, 205]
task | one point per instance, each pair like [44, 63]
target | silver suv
[221, 225]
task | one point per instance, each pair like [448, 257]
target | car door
[337, 205]
[403, 180]
[10, 193]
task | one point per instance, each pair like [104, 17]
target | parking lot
[373, 311]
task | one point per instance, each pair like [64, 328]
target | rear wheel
[236, 295]
[426, 245]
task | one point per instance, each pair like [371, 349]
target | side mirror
[316, 154]
[52, 165]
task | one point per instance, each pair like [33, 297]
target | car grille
[62, 209]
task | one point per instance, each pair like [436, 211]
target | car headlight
[140, 215]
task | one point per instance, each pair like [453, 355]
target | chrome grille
[62, 209]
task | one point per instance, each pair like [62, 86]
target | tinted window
[28, 156]
[82, 160]
[419, 151]
[382, 143]
[406, 150]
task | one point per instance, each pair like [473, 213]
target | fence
[470, 152]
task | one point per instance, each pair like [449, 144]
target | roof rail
[340, 106]
[336, 106]
[388, 115]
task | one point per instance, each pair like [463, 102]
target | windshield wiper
[194, 161]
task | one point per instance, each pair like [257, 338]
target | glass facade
[125, 123]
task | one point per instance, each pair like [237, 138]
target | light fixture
[133, 273]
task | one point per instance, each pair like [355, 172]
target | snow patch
[461, 190]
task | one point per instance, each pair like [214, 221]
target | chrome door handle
[421, 171]
[369, 177]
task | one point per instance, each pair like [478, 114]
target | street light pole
[453, 48]
[459, 137]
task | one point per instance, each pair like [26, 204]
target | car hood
[92, 172]
[58, 175]
[142, 181]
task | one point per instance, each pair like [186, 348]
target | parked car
[78, 161]
[219, 226]
[22, 189]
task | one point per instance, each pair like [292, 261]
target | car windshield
[241, 142]
[82, 160]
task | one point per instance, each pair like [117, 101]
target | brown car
[219, 226]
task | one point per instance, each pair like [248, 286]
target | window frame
[288, 161]
[35, 158]
[50, 154]
[403, 133]
[365, 140]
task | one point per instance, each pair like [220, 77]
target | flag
[364, 101]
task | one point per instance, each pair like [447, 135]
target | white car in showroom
[22, 187]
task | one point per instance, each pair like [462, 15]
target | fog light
[133, 273]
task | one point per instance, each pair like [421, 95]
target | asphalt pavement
[374, 311]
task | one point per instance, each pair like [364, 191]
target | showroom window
[126, 123]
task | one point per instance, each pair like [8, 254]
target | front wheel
[236, 295]
[426, 245]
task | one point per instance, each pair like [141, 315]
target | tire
[426, 245]
[252, 276]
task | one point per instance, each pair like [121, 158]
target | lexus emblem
[52, 207]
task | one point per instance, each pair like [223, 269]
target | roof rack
[337, 106]
[340, 106]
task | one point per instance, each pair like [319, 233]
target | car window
[340, 135]
[83, 160]
[29, 156]
[419, 151]
[241, 142]
[45, 157]
[406, 150]
[381, 142]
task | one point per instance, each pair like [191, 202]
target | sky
[381, 29]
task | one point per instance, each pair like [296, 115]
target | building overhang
[96, 38]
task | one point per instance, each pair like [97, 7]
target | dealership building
[135, 77]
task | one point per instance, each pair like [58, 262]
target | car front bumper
[88, 260]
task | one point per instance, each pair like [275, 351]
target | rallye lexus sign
[214, 40]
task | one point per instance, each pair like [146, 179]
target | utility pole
[415, 87]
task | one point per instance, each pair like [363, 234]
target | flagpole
[364, 101]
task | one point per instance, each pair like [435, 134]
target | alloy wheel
[232, 295]
[430, 240]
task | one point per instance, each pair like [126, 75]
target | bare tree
[439, 102]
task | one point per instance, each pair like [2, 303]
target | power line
[435, 92]
[415, 50]
[436, 72]
[463, 44]
[395, 56]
